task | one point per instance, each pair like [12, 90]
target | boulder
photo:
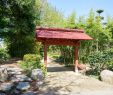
[14, 71]
[21, 77]
[3, 74]
[6, 86]
[37, 74]
[23, 86]
[107, 76]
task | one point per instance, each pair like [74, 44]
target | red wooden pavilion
[59, 36]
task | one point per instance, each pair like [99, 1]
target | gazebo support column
[76, 59]
[45, 54]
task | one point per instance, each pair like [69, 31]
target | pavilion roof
[60, 33]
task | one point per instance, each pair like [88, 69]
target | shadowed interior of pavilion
[55, 66]
[60, 36]
[59, 69]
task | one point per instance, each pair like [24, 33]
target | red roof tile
[58, 33]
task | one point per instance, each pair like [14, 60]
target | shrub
[32, 57]
[110, 65]
[4, 56]
[100, 60]
[32, 61]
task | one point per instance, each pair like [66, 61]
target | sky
[82, 7]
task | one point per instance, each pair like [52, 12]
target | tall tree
[99, 11]
[50, 16]
[109, 28]
[70, 23]
[18, 31]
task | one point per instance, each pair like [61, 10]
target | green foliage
[31, 57]
[81, 23]
[50, 16]
[67, 55]
[99, 11]
[94, 51]
[110, 65]
[18, 19]
[71, 21]
[100, 60]
[32, 61]
[101, 37]
[67, 51]
[17, 25]
[109, 25]
[4, 55]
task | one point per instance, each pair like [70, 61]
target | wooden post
[76, 59]
[45, 54]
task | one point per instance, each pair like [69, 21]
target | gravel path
[63, 81]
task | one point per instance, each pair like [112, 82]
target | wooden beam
[76, 59]
[45, 54]
[64, 42]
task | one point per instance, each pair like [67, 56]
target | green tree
[100, 34]
[81, 22]
[19, 25]
[109, 25]
[50, 16]
[70, 21]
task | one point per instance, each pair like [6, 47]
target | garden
[18, 21]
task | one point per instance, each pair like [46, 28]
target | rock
[107, 76]
[2, 93]
[3, 66]
[14, 71]
[16, 92]
[29, 93]
[22, 77]
[3, 74]
[81, 66]
[39, 83]
[37, 74]
[23, 86]
[6, 86]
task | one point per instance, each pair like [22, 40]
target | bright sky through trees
[82, 7]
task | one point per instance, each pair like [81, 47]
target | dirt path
[11, 63]
[63, 81]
